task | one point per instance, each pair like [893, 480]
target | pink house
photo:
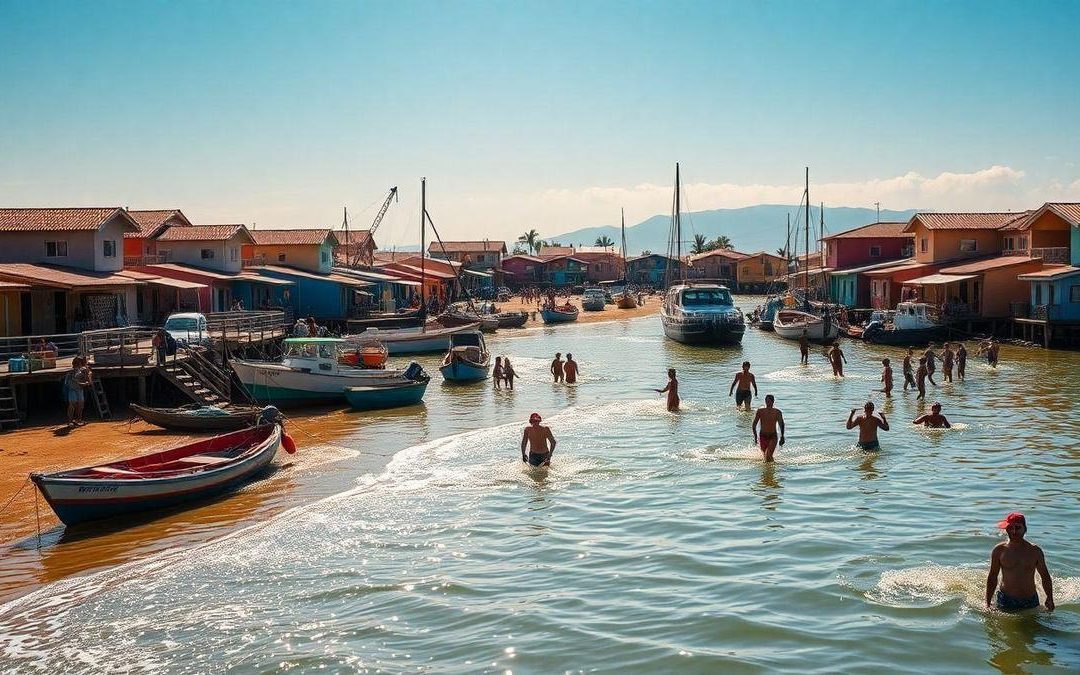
[869, 244]
[523, 270]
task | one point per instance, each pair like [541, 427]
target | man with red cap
[1017, 560]
[536, 438]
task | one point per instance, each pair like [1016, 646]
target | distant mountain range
[752, 228]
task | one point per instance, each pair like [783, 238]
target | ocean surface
[656, 542]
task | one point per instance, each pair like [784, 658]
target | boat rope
[37, 516]
[21, 488]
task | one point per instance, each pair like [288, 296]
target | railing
[139, 260]
[1020, 310]
[125, 346]
[257, 261]
[67, 344]
[1055, 254]
[1046, 312]
[238, 325]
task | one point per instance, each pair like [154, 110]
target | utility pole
[878, 205]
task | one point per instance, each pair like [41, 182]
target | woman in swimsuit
[672, 390]
[497, 373]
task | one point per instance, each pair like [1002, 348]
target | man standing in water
[961, 361]
[933, 420]
[909, 372]
[930, 356]
[804, 348]
[557, 367]
[1017, 560]
[570, 369]
[770, 418]
[672, 390]
[868, 426]
[745, 379]
[837, 358]
[539, 441]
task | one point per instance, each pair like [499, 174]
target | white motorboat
[791, 323]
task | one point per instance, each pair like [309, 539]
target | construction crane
[360, 257]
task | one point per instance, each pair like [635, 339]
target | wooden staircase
[201, 380]
[97, 391]
[9, 409]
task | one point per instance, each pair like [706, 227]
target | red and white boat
[189, 472]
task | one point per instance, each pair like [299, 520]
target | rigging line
[8, 502]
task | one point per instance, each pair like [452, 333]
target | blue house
[327, 297]
[851, 287]
[651, 269]
[256, 291]
[1055, 293]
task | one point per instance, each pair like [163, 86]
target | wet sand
[610, 312]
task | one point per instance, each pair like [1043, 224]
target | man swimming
[1017, 560]
[745, 379]
[868, 426]
[770, 418]
[537, 438]
[934, 419]
[557, 367]
[570, 369]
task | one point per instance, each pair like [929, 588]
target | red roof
[989, 264]
[55, 276]
[874, 231]
[724, 252]
[522, 256]
[467, 246]
[151, 222]
[356, 237]
[204, 233]
[963, 221]
[293, 237]
[62, 220]
[552, 251]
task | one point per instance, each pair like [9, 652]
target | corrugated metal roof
[297, 237]
[55, 276]
[939, 279]
[988, 264]
[1067, 211]
[336, 278]
[190, 269]
[873, 230]
[204, 233]
[890, 266]
[898, 268]
[62, 220]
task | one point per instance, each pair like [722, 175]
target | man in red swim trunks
[770, 418]
[536, 438]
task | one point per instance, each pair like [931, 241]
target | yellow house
[761, 268]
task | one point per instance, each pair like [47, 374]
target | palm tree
[530, 240]
[700, 244]
[604, 241]
[722, 242]
[539, 244]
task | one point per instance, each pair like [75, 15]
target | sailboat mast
[806, 267]
[345, 218]
[622, 213]
[678, 225]
[423, 253]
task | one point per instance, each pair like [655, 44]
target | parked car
[577, 290]
[188, 328]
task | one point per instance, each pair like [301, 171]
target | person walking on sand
[961, 361]
[745, 380]
[672, 390]
[886, 378]
[804, 348]
[770, 419]
[920, 379]
[557, 367]
[868, 426]
[508, 373]
[570, 369]
[539, 441]
[75, 384]
[1017, 561]
[946, 363]
[934, 419]
[837, 358]
[909, 373]
[931, 366]
[497, 373]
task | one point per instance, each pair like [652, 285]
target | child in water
[497, 373]
[508, 373]
[672, 390]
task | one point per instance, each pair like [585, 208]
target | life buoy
[288, 443]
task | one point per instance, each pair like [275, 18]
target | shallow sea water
[655, 542]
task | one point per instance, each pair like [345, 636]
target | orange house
[1045, 233]
[140, 248]
[954, 236]
[760, 269]
[985, 288]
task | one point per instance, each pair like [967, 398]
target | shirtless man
[920, 379]
[557, 367]
[909, 371]
[886, 378]
[961, 361]
[770, 418]
[539, 441]
[804, 348]
[930, 356]
[946, 363]
[570, 369]
[1017, 560]
[745, 380]
[992, 353]
[868, 426]
[672, 390]
[933, 420]
[837, 358]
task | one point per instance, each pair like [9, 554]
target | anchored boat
[913, 323]
[200, 417]
[791, 323]
[410, 391]
[467, 360]
[561, 314]
[702, 314]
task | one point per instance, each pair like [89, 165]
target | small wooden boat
[564, 314]
[200, 417]
[458, 317]
[467, 360]
[392, 395]
[512, 319]
[593, 300]
[182, 474]
[625, 300]
[412, 340]
[791, 323]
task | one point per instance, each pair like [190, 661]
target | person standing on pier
[1017, 561]
[868, 426]
[909, 372]
[570, 369]
[159, 342]
[672, 390]
[961, 361]
[557, 367]
[770, 419]
[837, 358]
[745, 380]
[539, 441]
[947, 363]
[804, 348]
[886, 378]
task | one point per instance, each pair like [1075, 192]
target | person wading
[539, 441]
[1017, 561]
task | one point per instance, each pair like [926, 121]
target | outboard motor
[271, 415]
[872, 328]
[414, 372]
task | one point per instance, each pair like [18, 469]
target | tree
[722, 242]
[530, 239]
[518, 250]
[604, 241]
[700, 244]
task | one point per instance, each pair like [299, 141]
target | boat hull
[179, 420]
[904, 336]
[593, 304]
[790, 326]
[625, 302]
[555, 316]
[714, 333]
[275, 384]
[413, 341]
[76, 500]
[381, 398]
[512, 319]
[460, 371]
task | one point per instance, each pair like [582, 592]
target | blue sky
[534, 114]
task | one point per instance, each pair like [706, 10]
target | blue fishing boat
[468, 359]
[390, 395]
[564, 314]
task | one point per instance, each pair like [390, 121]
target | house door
[60, 311]
[977, 298]
[222, 300]
[26, 315]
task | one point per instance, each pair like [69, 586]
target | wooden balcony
[139, 260]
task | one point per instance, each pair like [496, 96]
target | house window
[875, 251]
[207, 254]
[56, 249]
[234, 254]
[969, 245]
[907, 250]
[325, 257]
[923, 244]
[281, 257]
[1023, 243]
[109, 248]
[1074, 294]
[1008, 244]
[163, 253]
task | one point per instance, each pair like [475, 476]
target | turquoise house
[651, 269]
[1055, 293]
[851, 287]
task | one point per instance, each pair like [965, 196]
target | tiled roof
[552, 251]
[963, 221]
[165, 268]
[61, 220]
[56, 276]
[989, 264]
[1068, 211]
[522, 256]
[491, 245]
[293, 237]
[873, 230]
[204, 233]
[356, 237]
[150, 222]
[568, 257]
[1051, 272]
